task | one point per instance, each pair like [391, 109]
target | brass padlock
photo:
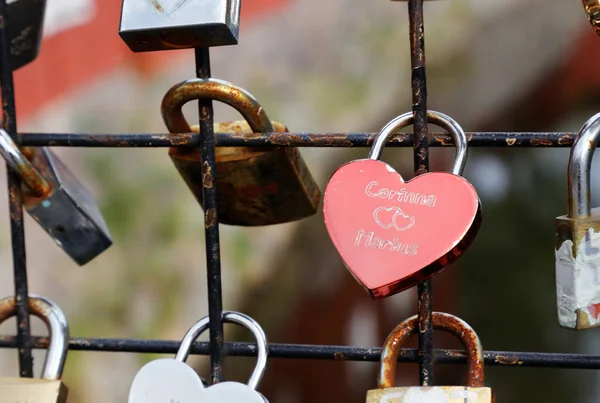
[475, 392]
[57, 201]
[49, 388]
[149, 25]
[577, 249]
[256, 186]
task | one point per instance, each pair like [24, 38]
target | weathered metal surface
[592, 9]
[25, 25]
[474, 392]
[179, 24]
[69, 213]
[577, 250]
[48, 389]
[255, 186]
[287, 139]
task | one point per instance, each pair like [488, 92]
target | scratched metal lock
[149, 25]
[578, 239]
[475, 392]
[24, 26]
[256, 186]
[49, 388]
[57, 201]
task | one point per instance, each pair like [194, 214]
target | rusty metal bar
[17, 228]
[476, 139]
[421, 166]
[211, 222]
[517, 359]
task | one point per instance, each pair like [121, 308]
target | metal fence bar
[17, 227]
[211, 222]
[322, 352]
[476, 139]
[421, 166]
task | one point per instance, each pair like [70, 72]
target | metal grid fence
[420, 140]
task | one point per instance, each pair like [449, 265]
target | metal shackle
[212, 89]
[440, 321]
[36, 183]
[580, 164]
[58, 330]
[231, 317]
[436, 118]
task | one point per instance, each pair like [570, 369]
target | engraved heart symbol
[393, 234]
[168, 380]
[167, 7]
[393, 217]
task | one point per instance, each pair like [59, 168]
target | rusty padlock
[57, 201]
[577, 247]
[49, 388]
[256, 186]
[25, 25]
[150, 25]
[475, 392]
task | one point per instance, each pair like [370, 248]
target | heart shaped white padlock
[171, 380]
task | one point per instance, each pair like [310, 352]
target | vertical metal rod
[17, 228]
[421, 165]
[211, 222]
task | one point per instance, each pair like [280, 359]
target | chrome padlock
[255, 186]
[24, 27]
[148, 25]
[475, 392]
[172, 380]
[49, 388]
[57, 201]
[577, 247]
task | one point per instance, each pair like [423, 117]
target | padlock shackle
[440, 321]
[437, 118]
[217, 90]
[231, 317]
[38, 186]
[580, 164]
[58, 330]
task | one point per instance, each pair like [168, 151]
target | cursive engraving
[402, 195]
[369, 240]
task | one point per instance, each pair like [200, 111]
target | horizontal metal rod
[476, 139]
[320, 352]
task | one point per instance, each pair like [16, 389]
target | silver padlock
[24, 27]
[149, 25]
[172, 380]
[578, 239]
[49, 388]
[58, 202]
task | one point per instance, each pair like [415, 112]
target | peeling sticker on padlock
[578, 281]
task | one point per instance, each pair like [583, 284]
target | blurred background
[327, 66]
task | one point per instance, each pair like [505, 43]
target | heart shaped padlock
[171, 380]
[391, 233]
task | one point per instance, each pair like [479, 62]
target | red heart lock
[394, 234]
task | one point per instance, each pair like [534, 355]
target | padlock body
[578, 271]
[433, 394]
[150, 25]
[32, 390]
[25, 26]
[255, 186]
[69, 213]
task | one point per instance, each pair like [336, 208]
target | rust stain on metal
[566, 139]
[330, 139]
[157, 6]
[422, 170]
[210, 217]
[440, 321]
[501, 359]
[339, 356]
[511, 142]
[541, 142]
[207, 175]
